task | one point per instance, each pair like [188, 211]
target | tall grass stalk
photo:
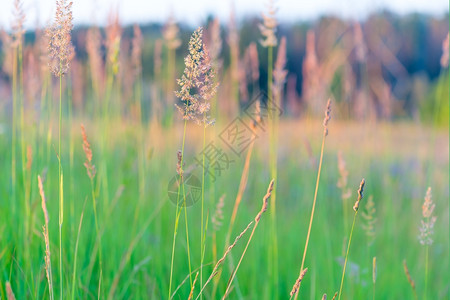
[355, 208]
[257, 219]
[325, 133]
[273, 252]
[178, 211]
[91, 172]
[60, 53]
[74, 274]
[14, 133]
[426, 232]
[61, 193]
[268, 29]
[242, 186]
[202, 229]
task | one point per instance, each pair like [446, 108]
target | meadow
[116, 187]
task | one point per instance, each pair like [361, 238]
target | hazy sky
[196, 11]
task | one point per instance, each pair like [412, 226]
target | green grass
[395, 159]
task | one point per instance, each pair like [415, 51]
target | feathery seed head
[324, 297]
[360, 194]
[265, 201]
[60, 46]
[327, 117]
[197, 86]
[426, 229]
[17, 25]
[180, 164]
[268, 28]
[297, 282]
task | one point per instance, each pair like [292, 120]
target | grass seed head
[327, 117]
[297, 283]
[426, 229]
[408, 275]
[197, 86]
[360, 194]
[269, 26]
[60, 46]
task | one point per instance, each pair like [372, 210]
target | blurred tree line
[387, 66]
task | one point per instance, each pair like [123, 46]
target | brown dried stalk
[191, 294]
[220, 261]
[257, 219]
[297, 283]
[410, 280]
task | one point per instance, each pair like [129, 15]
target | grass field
[115, 187]
[398, 161]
